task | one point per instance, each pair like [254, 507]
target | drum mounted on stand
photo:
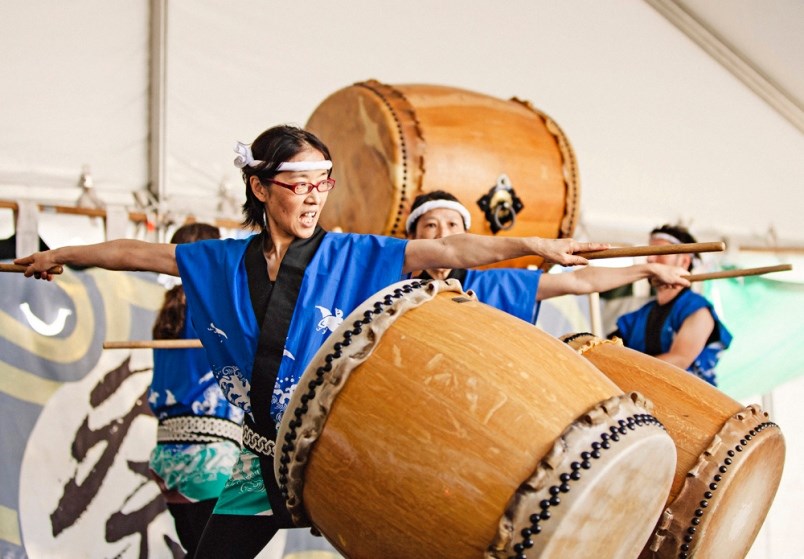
[506, 161]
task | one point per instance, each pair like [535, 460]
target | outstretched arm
[468, 251]
[596, 279]
[123, 254]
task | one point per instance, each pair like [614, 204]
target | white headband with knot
[674, 241]
[246, 158]
[435, 205]
[666, 237]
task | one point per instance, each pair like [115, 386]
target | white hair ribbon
[435, 205]
[246, 158]
[167, 281]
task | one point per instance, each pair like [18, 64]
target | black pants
[190, 520]
[237, 537]
[243, 537]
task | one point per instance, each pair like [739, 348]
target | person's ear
[257, 188]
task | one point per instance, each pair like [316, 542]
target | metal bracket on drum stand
[500, 205]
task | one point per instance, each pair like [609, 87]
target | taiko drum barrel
[432, 425]
[730, 457]
[509, 163]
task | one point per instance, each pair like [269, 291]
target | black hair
[192, 232]
[272, 147]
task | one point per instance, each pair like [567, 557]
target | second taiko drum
[390, 143]
[730, 457]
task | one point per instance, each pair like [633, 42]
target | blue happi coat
[632, 328]
[183, 383]
[345, 270]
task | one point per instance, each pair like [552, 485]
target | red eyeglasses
[304, 188]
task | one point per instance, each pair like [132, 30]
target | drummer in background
[297, 279]
[679, 326]
[518, 291]
[199, 433]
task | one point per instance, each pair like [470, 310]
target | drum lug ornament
[500, 205]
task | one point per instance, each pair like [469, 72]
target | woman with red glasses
[262, 306]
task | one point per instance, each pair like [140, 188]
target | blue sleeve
[691, 302]
[360, 263]
[214, 279]
[216, 286]
[508, 289]
[688, 303]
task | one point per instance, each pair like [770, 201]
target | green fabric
[244, 493]
[196, 472]
[765, 317]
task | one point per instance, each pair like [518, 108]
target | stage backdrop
[765, 354]
[75, 425]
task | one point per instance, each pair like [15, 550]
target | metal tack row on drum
[432, 425]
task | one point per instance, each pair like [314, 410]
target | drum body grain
[391, 143]
[730, 457]
[432, 425]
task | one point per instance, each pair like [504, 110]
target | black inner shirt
[656, 319]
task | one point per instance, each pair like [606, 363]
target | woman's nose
[314, 196]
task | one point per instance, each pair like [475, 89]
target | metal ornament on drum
[508, 163]
[432, 425]
[730, 457]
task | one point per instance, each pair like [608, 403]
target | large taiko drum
[391, 143]
[730, 457]
[432, 425]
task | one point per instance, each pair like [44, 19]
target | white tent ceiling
[662, 130]
[767, 36]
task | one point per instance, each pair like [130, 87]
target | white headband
[666, 237]
[435, 205]
[246, 158]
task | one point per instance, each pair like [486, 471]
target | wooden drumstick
[740, 273]
[683, 248]
[153, 344]
[19, 268]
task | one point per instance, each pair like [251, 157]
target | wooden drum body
[392, 143]
[730, 457]
[432, 425]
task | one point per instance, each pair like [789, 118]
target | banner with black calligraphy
[75, 426]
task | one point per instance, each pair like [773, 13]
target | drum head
[726, 497]
[595, 492]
